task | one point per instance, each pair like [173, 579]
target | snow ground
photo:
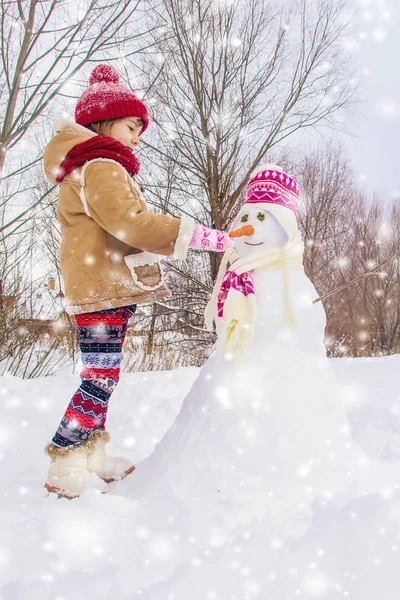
[62, 550]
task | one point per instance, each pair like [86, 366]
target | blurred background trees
[346, 234]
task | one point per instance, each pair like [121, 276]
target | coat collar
[65, 124]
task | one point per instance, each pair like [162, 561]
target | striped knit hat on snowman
[233, 303]
[272, 189]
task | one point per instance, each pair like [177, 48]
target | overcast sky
[376, 154]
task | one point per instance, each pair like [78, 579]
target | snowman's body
[257, 442]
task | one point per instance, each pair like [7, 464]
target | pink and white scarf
[241, 283]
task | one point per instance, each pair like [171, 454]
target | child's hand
[205, 238]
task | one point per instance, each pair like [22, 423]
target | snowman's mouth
[248, 243]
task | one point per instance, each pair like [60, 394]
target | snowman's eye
[244, 218]
[261, 216]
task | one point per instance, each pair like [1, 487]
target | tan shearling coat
[111, 242]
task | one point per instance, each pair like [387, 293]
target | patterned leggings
[101, 337]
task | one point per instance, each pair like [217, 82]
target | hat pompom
[103, 74]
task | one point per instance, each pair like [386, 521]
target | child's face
[126, 131]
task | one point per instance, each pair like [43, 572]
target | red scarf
[100, 146]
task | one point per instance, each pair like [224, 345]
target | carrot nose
[245, 230]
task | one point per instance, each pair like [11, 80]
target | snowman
[262, 436]
[265, 297]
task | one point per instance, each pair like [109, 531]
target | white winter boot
[68, 474]
[106, 467]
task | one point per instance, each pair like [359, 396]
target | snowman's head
[267, 220]
[257, 229]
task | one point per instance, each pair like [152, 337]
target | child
[109, 261]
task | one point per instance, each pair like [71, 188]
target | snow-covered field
[53, 549]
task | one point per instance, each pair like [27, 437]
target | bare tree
[328, 192]
[44, 45]
[236, 81]
[371, 308]
[228, 83]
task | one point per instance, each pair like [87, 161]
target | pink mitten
[205, 238]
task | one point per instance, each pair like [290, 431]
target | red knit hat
[107, 99]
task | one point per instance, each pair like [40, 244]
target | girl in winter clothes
[110, 263]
